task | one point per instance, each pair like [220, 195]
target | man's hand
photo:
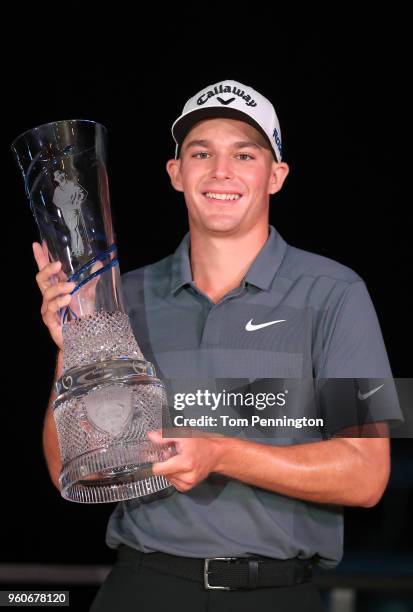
[197, 457]
[55, 294]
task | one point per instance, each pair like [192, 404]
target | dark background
[340, 101]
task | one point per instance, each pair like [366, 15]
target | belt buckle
[206, 572]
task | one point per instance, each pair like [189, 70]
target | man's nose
[222, 167]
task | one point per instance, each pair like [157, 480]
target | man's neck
[219, 263]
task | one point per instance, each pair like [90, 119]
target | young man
[236, 302]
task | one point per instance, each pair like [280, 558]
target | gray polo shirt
[329, 330]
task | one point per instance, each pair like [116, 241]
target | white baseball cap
[232, 100]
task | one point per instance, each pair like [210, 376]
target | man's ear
[279, 173]
[173, 168]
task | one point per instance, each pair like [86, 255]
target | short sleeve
[355, 347]
[355, 382]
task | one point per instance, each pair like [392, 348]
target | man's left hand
[196, 458]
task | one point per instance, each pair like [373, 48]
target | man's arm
[56, 295]
[344, 471]
[50, 440]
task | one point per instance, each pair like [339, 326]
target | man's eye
[244, 156]
[201, 155]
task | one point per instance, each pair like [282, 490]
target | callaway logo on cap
[232, 100]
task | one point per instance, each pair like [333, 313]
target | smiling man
[227, 172]
[249, 519]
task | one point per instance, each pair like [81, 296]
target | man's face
[226, 175]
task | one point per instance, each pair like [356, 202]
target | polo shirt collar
[260, 274]
[181, 273]
[265, 266]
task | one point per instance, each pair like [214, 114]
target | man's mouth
[222, 197]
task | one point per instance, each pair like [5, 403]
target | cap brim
[182, 125]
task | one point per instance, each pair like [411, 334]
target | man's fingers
[159, 436]
[55, 305]
[56, 295]
[48, 270]
[174, 465]
[39, 255]
[156, 437]
[61, 289]
[45, 276]
[179, 484]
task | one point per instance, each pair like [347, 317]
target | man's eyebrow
[241, 144]
[198, 143]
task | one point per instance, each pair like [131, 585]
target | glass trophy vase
[108, 396]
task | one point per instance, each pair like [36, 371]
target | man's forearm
[50, 440]
[341, 471]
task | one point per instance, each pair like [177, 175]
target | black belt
[225, 573]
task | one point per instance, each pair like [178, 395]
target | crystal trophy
[108, 396]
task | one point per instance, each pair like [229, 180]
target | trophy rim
[43, 125]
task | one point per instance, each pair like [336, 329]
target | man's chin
[221, 225]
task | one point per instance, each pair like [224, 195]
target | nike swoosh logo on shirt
[363, 396]
[251, 327]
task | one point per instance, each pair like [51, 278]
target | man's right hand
[55, 294]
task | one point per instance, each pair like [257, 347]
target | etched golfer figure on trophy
[108, 396]
[68, 197]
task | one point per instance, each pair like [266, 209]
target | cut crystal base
[109, 398]
[115, 474]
